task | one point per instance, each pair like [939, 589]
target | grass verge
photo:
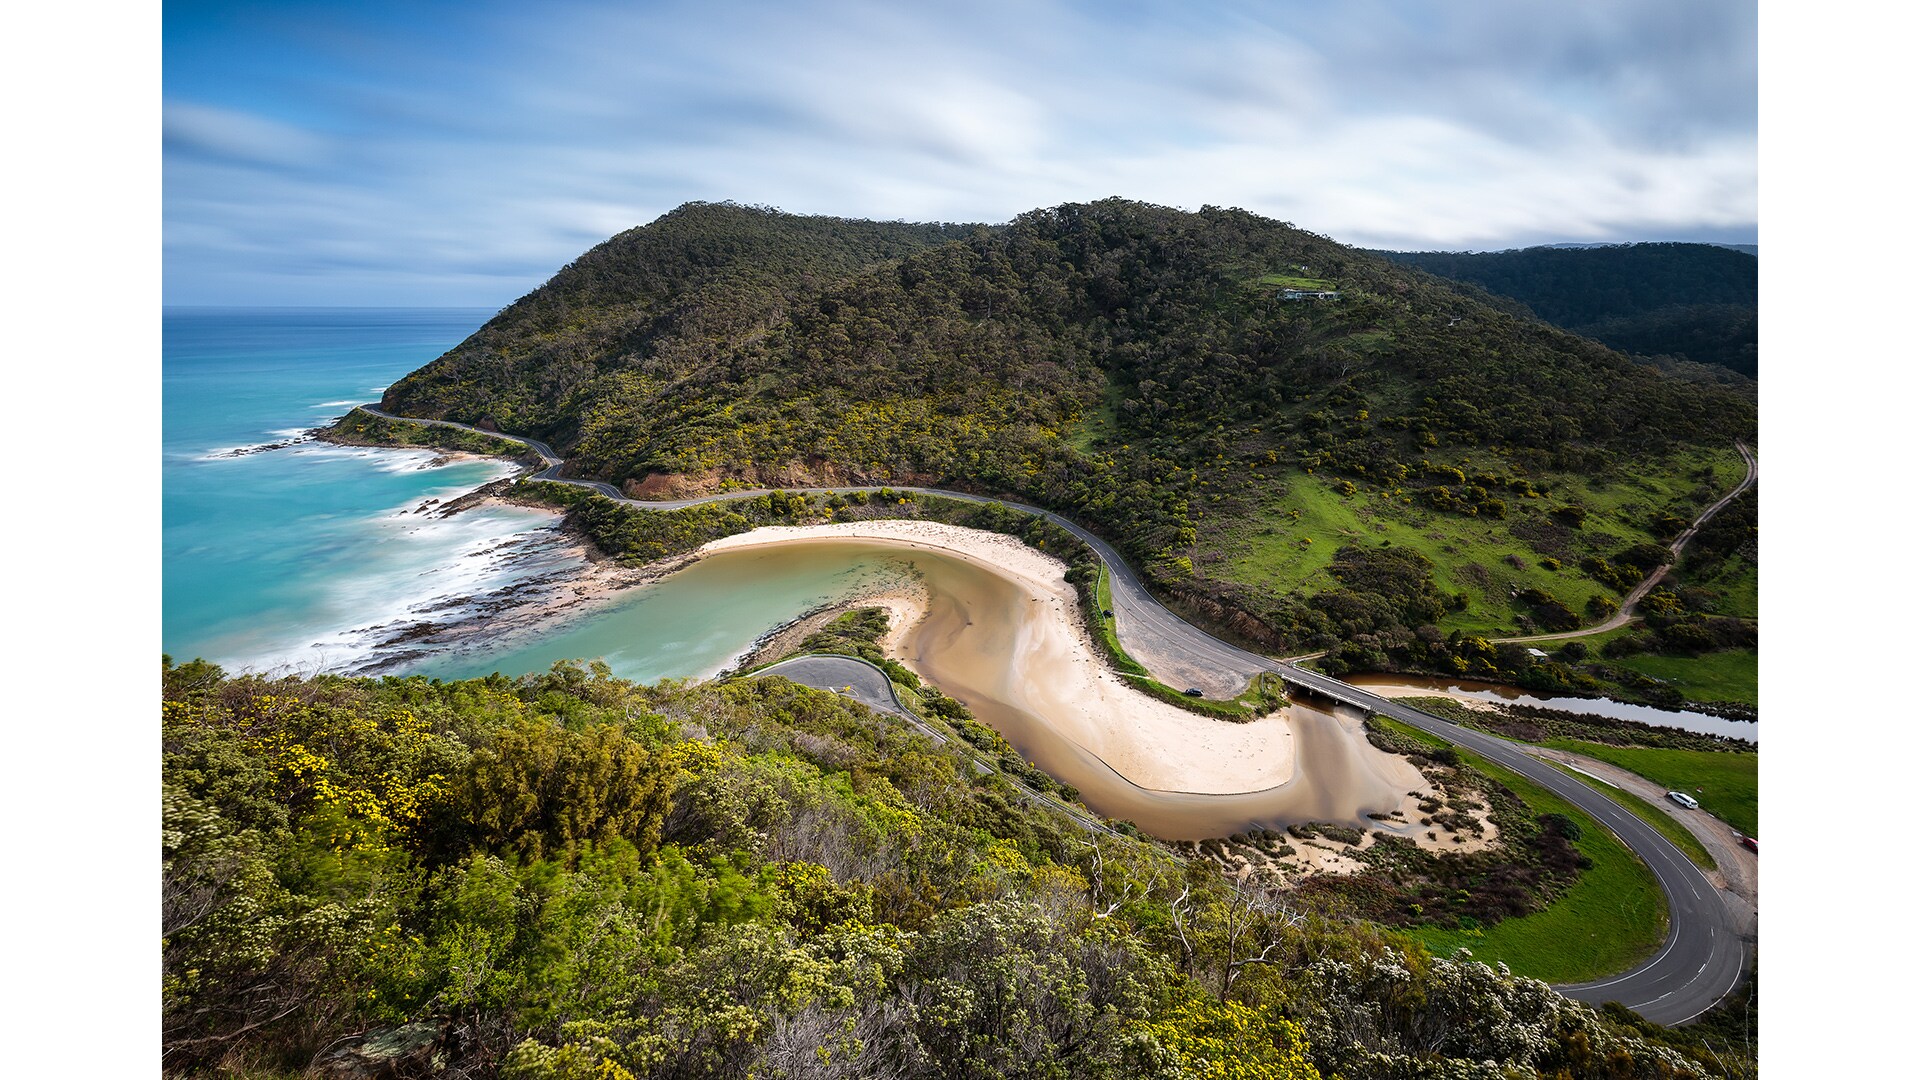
[1727, 784]
[1661, 821]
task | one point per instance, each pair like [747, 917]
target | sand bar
[1054, 672]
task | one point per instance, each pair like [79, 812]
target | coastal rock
[244, 451]
[473, 498]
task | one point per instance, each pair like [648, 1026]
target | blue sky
[459, 153]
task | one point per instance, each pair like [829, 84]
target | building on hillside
[1309, 294]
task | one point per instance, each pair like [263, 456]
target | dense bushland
[1696, 302]
[567, 875]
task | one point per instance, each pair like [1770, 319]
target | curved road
[1703, 955]
[851, 677]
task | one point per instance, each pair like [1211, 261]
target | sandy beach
[1056, 671]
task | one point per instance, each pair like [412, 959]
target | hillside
[567, 875]
[1387, 471]
[1697, 302]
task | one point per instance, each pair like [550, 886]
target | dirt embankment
[669, 486]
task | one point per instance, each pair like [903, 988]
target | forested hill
[1140, 368]
[667, 294]
[1696, 302]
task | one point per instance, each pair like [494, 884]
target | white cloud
[196, 129]
[1363, 123]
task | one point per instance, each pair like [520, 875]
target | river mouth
[988, 642]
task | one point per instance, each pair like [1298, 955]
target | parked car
[1750, 844]
[1193, 692]
[1684, 799]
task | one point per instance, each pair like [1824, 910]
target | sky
[345, 153]
[457, 155]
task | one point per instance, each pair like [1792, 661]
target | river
[1469, 690]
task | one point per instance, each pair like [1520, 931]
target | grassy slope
[1728, 784]
[1287, 546]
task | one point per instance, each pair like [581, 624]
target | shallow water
[1414, 685]
[697, 621]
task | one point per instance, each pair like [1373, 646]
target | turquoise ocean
[306, 557]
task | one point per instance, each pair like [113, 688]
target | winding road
[1703, 955]
[1632, 599]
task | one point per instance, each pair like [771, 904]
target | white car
[1684, 799]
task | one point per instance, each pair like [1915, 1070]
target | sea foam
[415, 571]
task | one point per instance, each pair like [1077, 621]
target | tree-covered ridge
[1134, 367]
[665, 293]
[1697, 302]
[567, 875]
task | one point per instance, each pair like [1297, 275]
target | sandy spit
[1059, 676]
[904, 604]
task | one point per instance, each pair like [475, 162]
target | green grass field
[1735, 587]
[1727, 675]
[1287, 545]
[1613, 915]
[1290, 281]
[1100, 424]
[1727, 784]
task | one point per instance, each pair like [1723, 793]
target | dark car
[1191, 692]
